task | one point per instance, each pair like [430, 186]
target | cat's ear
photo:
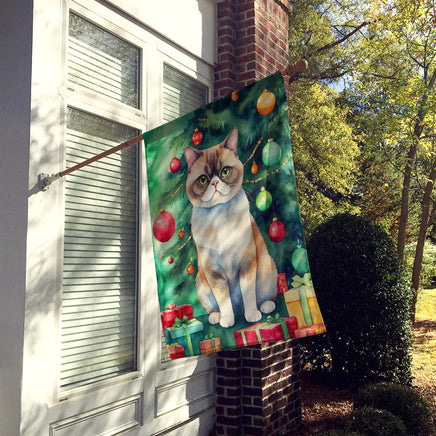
[191, 156]
[231, 142]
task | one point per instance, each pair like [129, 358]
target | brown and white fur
[235, 270]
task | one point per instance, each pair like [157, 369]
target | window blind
[98, 324]
[99, 289]
[180, 95]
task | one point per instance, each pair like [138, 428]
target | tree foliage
[383, 54]
[324, 144]
[325, 153]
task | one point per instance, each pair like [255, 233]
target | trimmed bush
[402, 401]
[375, 422]
[364, 300]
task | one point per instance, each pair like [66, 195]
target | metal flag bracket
[45, 180]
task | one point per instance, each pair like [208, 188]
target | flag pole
[45, 180]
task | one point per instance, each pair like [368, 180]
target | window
[101, 62]
[181, 93]
[99, 289]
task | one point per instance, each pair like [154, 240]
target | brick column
[258, 387]
[252, 42]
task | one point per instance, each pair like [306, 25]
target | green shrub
[375, 422]
[364, 300]
[402, 401]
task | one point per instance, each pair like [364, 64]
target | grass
[424, 337]
[425, 306]
[424, 346]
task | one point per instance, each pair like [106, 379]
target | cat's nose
[214, 183]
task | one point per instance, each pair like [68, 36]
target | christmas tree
[260, 113]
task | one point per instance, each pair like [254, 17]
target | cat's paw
[267, 306]
[227, 321]
[253, 316]
[214, 317]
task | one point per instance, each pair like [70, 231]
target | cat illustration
[236, 274]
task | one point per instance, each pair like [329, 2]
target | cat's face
[215, 174]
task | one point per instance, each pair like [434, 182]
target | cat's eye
[202, 179]
[225, 172]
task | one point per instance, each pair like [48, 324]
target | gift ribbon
[173, 345]
[278, 319]
[305, 305]
[302, 283]
[210, 338]
[298, 281]
[244, 339]
[171, 306]
[184, 323]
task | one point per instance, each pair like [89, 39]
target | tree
[325, 149]
[325, 153]
[396, 83]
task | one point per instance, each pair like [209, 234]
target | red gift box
[173, 311]
[314, 329]
[304, 331]
[249, 335]
[282, 285]
[276, 331]
[176, 351]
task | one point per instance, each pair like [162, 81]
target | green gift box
[187, 332]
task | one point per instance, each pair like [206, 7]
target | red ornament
[197, 137]
[170, 260]
[181, 234]
[254, 168]
[276, 230]
[175, 164]
[164, 226]
[190, 269]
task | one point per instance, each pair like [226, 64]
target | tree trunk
[417, 131]
[424, 226]
[404, 213]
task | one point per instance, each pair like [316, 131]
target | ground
[324, 406]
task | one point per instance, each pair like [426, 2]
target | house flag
[229, 249]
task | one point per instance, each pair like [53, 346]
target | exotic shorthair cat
[236, 274]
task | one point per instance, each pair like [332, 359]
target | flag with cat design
[229, 248]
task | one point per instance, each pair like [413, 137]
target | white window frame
[79, 98]
[154, 53]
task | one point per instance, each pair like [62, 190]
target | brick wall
[258, 387]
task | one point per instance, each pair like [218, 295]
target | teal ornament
[271, 153]
[300, 261]
[263, 199]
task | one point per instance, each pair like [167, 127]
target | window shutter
[98, 330]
